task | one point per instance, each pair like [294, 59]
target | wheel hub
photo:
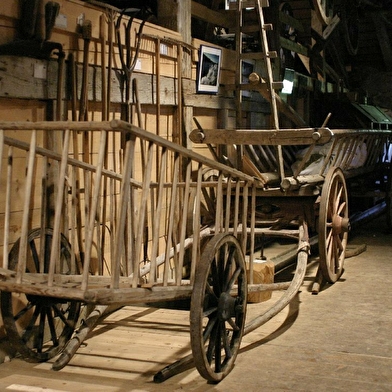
[340, 224]
[226, 306]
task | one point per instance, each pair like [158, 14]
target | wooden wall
[30, 86]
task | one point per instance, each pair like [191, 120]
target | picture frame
[210, 59]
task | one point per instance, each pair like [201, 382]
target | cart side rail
[89, 208]
[307, 153]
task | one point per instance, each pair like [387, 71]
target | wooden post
[177, 15]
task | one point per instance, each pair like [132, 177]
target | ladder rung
[261, 86]
[254, 28]
[277, 85]
[253, 56]
[273, 54]
[250, 29]
[246, 4]
[258, 55]
[253, 86]
[268, 26]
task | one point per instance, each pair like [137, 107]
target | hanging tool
[36, 25]
[86, 34]
[52, 10]
[128, 61]
[136, 101]
[29, 12]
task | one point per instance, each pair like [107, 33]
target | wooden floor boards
[338, 340]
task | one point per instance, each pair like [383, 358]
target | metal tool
[128, 59]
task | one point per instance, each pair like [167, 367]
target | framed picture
[209, 70]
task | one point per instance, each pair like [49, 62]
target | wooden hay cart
[313, 172]
[132, 218]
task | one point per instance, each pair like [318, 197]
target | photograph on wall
[209, 70]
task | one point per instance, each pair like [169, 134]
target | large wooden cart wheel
[218, 307]
[333, 225]
[39, 327]
[324, 11]
[350, 24]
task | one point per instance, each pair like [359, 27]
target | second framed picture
[209, 70]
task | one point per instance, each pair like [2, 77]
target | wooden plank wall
[28, 86]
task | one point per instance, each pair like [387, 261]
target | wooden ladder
[265, 85]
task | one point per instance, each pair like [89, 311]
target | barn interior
[137, 138]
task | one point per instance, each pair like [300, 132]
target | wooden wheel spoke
[212, 341]
[339, 244]
[233, 279]
[329, 238]
[215, 278]
[52, 328]
[330, 252]
[41, 331]
[59, 313]
[209, 327]
[336, 257]
[329, 212]
[34, 255]
[228, 267]
[218, 347]
[22, 312]
[226, 342]
[208, 312]
[210, 291]
[233, 324]
[339, 191]
[341, 208]
[209, 199]
[30, 327]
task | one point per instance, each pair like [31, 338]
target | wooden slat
[55, 250]
[184, 221]
[7, 211]
[172, 210]
[158, 212]
[26, 209]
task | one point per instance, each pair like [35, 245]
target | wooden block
[263, 272]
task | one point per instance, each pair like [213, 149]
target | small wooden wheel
[333, 225]
[39, 327]
[218, 307]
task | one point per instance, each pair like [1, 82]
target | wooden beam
[304, 136]
[202, 12]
